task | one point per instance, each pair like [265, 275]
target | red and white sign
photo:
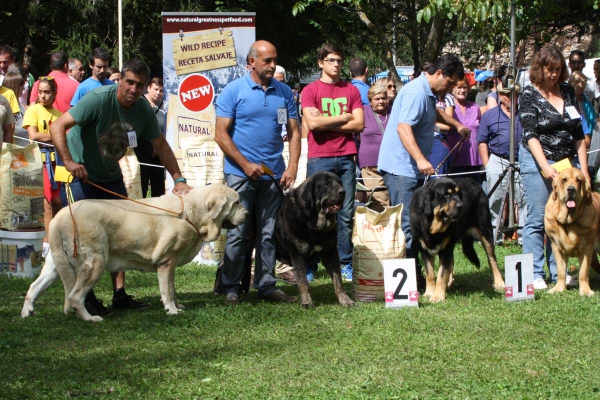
[196, 93]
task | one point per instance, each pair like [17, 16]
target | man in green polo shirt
[102, 125]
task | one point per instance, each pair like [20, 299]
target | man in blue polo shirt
[493, 136]
[100, 60]
[250, 112]
[408, 138]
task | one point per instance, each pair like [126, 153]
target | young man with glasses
[333, 110]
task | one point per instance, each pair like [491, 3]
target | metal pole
[513, 121]
[120, 18]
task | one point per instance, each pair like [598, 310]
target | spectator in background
[359, 71]
[481, 98]
[390, 85]
[492, 99]
[376, 119]
[145, 151]
[7, 121]
[588, 118]
[597, 90]
[493, 136]
[99, 61]
[113, 74]
[466, 157]
[59, 64]
[7, 57]
[577, 64]
[76, 70]
[23, 95]
[12, 100]
[15, 82]
[37, 121]
[549, 136]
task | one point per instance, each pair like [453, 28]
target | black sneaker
[126, 302]
[233, 299]
[95, 306]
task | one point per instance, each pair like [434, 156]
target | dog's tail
[469, 250]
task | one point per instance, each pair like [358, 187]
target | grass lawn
[473, 346]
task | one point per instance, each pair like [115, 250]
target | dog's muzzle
[571, 203]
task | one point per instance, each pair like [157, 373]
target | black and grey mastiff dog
[307, 225]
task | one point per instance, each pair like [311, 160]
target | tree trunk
[385, 45]
[433, 46]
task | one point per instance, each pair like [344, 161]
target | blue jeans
[537, 189]
[83, 190]
[345, 168]
[262, 199]
[401, 189]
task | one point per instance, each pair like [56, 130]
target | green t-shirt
[100, 138]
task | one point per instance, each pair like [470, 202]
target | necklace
[386, 116]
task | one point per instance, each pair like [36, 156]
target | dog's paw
[437, 298]
[180, 307]
[588, 292]
[173, 310]
[27, 311]
[428, 295]
[557, 289]
[306, 306]
[499, 286]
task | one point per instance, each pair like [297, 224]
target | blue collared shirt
[494, 130]
[363, 88]
[255, 130]
[415, 106]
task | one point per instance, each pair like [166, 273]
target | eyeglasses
[332, 61]
[391, 87]
[46, 78]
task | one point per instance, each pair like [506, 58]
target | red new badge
[389, 297]
[196, 93]
[530, 289]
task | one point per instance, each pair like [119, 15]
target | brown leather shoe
[288, 277]
[278, 296]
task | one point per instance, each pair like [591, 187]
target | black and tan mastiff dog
[307, 224]
[442, 212]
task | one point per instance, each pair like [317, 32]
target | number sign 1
[518, 269]
[400, 283]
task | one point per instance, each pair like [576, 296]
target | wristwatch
[182, 179]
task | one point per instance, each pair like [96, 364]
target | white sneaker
[572, 281]
[539, 284]
[45, 249]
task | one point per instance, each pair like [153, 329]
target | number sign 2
[400, 283]
[518, 269]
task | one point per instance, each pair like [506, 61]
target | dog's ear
[587, 190]
[427, 200]
[555, 182]
[215, 205]
[308, 194]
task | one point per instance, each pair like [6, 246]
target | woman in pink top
[466, 157]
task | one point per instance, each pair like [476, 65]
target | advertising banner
[202, 52]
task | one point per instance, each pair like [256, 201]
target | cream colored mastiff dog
[119, 235]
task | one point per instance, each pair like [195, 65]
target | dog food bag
[132, 178]
[22, 196]
[376, 237]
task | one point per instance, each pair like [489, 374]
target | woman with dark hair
[551, 132]
[113, 74]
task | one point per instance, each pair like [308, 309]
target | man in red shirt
[59, 64]
[333, 111]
